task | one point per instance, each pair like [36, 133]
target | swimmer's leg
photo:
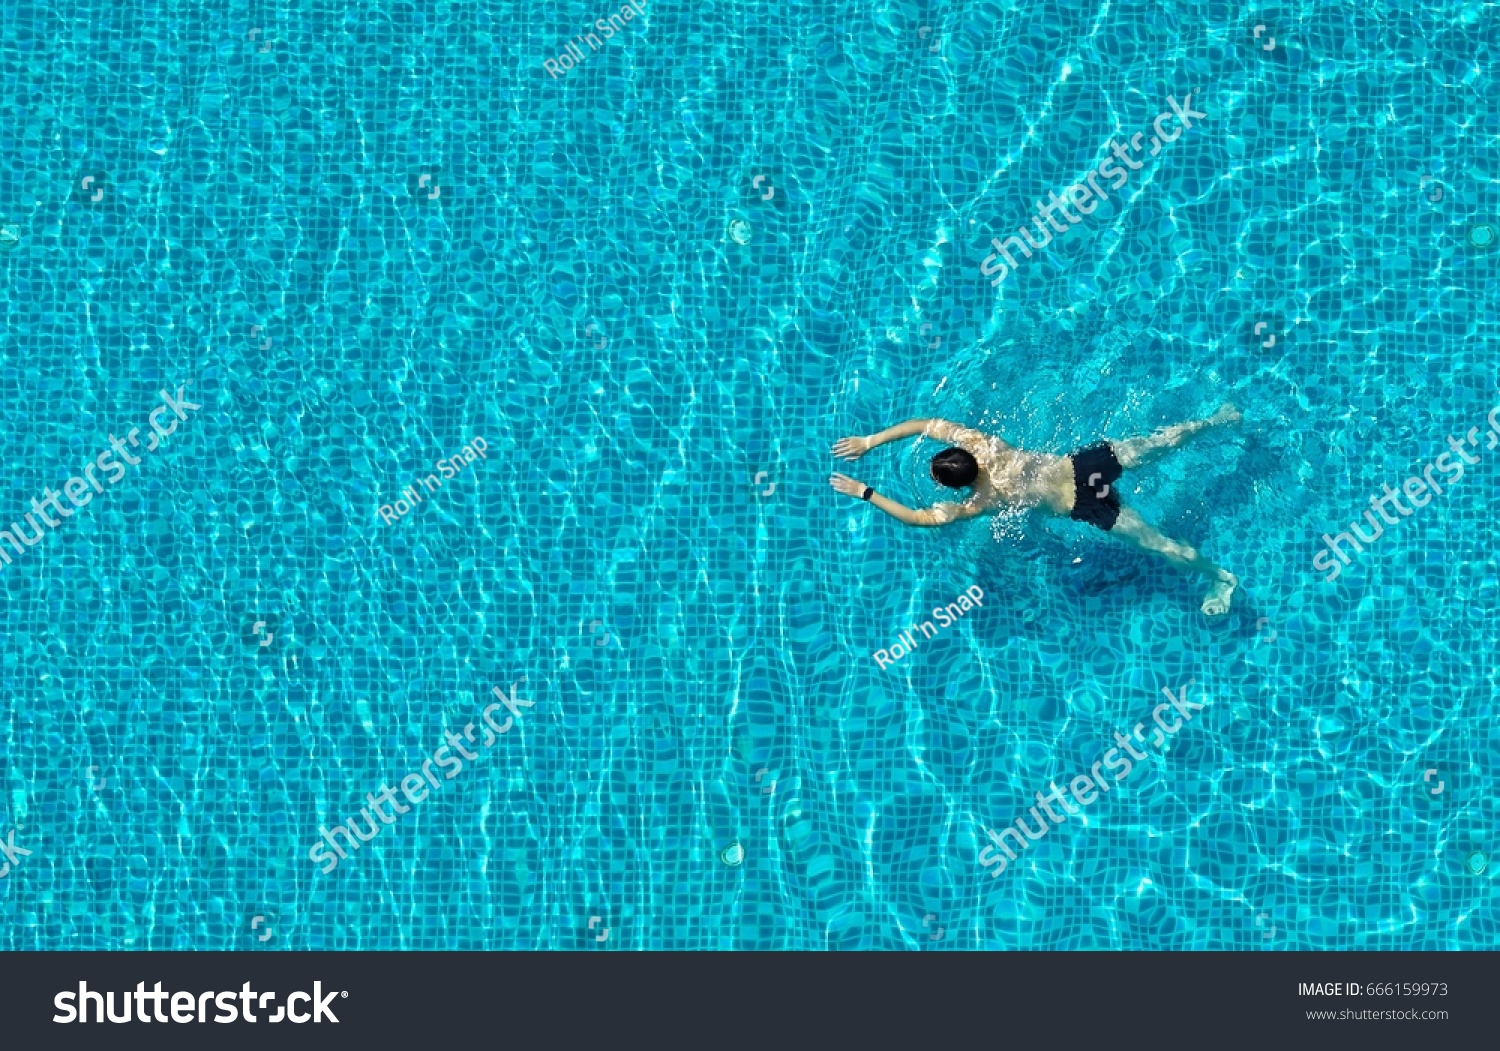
[1132, 529]
[1133, 452]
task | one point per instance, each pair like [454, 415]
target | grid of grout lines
[370, 233]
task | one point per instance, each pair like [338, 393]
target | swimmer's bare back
[1079, 485]
[1008, 477]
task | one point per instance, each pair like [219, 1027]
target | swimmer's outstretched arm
[936, 515]
[855, 447]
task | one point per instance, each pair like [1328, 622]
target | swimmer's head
[955, 468]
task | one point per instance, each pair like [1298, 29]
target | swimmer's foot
[1227, 414]
[1219, 595]
[1136, 452]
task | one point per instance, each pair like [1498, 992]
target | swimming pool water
[365, 234]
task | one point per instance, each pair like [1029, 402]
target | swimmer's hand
[939, 514]
[846, 485]
[851, 449]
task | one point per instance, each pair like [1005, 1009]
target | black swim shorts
[1095, 500]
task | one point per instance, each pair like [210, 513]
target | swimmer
[1079, 486]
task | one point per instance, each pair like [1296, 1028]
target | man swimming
[1079, 486]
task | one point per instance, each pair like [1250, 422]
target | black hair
[955, 468]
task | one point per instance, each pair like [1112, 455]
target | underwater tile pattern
[364, 234]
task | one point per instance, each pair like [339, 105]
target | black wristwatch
[868, 493]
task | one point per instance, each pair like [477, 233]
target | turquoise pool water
[364, 235]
